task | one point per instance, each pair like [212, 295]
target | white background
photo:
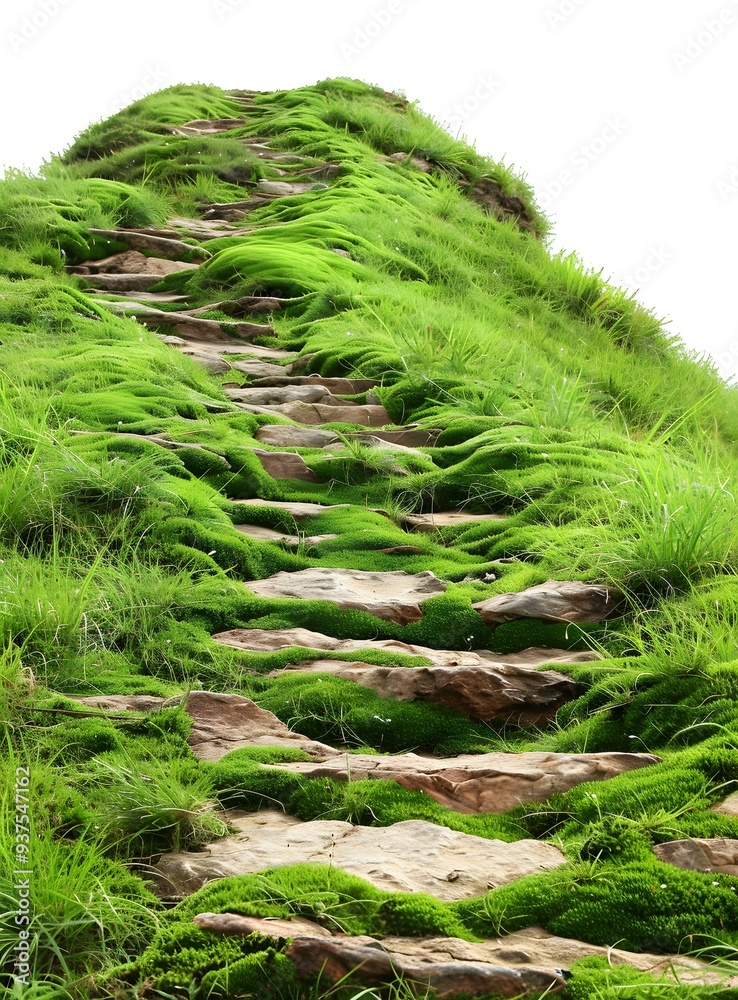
[631, 100]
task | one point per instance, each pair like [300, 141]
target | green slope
[562, 404]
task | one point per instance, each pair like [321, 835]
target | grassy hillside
[562, 404]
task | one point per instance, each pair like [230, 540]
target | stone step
[290, 436]
[478, 783]
[479, 684]
[279, 395]
[285, 465]
[393, 596]
[160, 246]
[314, 414]
[130, 262]
[225, 349]
[148, 298]
[287, 189]
[554, 601]
[525, 963]
[445, 519]
[411, 436]
[409, 856]
[296, 509]
[339, 386]
[192, 326]
[135, 284]
[243, 306]
[287, 541]
[209, 126]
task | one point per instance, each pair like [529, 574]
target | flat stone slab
[716, 854]
[394, 596]
[162, 246]
[297, 509]
[339, 386]
[410, 436]
[320, 413]
[411, 856]
[137, 283]
[207, 330]
[532, 947]
[256, 368]
[279, 395]
[264, 640]
[289, 436]
[285, 465]
[445, 519]
[479, 783]
[515, 694]
[131, 262]
[225, 347]
[288, 541]
[210, 360]
[221, 722]
[554, 601]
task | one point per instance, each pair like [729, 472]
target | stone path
[414, 855]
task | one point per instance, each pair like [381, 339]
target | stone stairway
[407, 856]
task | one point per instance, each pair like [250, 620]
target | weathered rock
[139, 283]
[131, 262]
[411, 856]
[225, 722]
[208, 126]
[226, 348]
[367, 961]
[394, 596]
[289, 436]
[211, 361]
[407, 159]
[717, 854]
[319, 413]
[532, 946]
[402, 550]
[243, 306]
[257, 369]
[284, 189]
[297, 509]
[445, 519]
[123, 702]
[208, 330]
[280, 395]
[339, 386]
[410, 436]
[288, 541]
[553, 601]
[263, 640]
[162, 246]
[515, 694]
[480, 783]
[285, 465]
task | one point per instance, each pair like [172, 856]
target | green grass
[563, 405]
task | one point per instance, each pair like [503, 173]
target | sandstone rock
[553, 601]
[445, 519]
[339, 386]
[410, 436]
[368, 962]
[516, 694]
[208, 126]
[225, 722]
[288, 541]
[319, 413]
[261, 640]
[208, 330]
[530, 947]
[139, 283]
[131, 262]
[286, 465]
[394, 596]
[297, 509]
[256, 368]
[480, 783]
[245, 305]
[414, 161]
[159, 245]
[284, 189]
[247, 348]
[211, 361]
[718, 854]
[411, 856]
[123, 702]
[280, 395]
[287, 435]
[729, 807]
